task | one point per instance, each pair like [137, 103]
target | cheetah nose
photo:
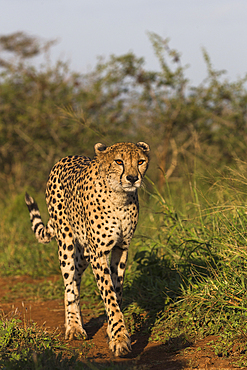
[132, 179]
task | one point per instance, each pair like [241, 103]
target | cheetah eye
[119, 162]
[140, 162]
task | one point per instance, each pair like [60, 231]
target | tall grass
[191, 271]
[20, 252]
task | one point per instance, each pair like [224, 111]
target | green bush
[48, 112]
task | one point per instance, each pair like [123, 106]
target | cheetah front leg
[119, 339]
[72, 265]
[119, 258]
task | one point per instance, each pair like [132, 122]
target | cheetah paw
[120, 346]
[75, 333]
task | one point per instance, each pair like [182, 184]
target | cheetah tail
[44, 234]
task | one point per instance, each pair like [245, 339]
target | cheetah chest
[108, 225]
[127, 217]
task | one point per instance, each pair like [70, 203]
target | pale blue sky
[89, 28]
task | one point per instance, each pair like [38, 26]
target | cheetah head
[123, 164]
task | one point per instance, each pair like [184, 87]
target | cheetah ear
[144, 146]
[99, 148]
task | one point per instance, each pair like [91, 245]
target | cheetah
[93, 208]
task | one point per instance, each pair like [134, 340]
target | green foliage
[49, 112]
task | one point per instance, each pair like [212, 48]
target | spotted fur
[93, 207]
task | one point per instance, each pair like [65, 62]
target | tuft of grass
[24, 346]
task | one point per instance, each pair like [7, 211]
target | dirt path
[146, 355]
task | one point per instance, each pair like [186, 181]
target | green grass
[21, 254]
[187, 271]
[36, 290]
[195, 270]
[190, 278]
[24, 346]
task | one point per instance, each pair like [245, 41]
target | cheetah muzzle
[93, 207]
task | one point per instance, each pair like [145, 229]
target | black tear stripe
[121, 176]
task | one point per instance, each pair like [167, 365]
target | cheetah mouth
[130, 188]
[125, 187]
